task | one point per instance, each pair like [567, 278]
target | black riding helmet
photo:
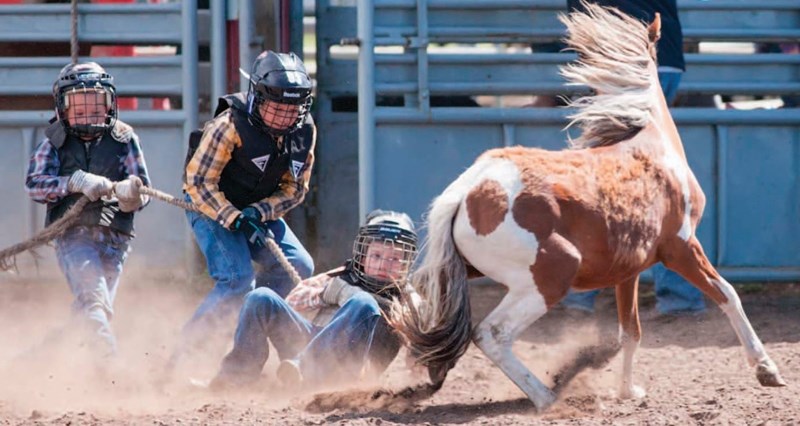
[91, 80]
[280, 78]
[389, 228]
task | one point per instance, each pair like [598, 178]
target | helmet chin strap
[88, 132]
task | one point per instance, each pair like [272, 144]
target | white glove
[93, 186]
[338, 292]
[128, 194]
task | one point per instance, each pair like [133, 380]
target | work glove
[338, 292]
[91, 185]
[128, 194]
[249, 223]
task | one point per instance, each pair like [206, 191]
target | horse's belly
[504, 255]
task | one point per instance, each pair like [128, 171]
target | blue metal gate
[748, 162]
[181, 31]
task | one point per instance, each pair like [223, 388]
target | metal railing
[390, 138]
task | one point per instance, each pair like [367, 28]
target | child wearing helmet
[331, 327]
[88, 151]
[249, 167]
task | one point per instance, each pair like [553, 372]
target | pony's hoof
[633, 392]
[543, 402]
[768, 375]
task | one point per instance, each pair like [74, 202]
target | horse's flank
[605, 201]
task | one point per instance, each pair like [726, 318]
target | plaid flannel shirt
[204, 170]
[307, 296]
[44, 185]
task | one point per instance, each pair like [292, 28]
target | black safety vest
[256, 167]
[105, 157]
[346, 273]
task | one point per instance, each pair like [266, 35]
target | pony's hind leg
[689, 260]
[630, 334]
[497, 332]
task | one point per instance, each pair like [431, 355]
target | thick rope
[74, 32]
[167, 198]
[271, 245]
[8, 255]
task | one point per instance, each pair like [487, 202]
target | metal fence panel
[160, 227]
[162, 233]
[762, 211]
[132, 24]
[418, 150]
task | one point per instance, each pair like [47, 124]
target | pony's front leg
[630, 334]
[497, 332]
[689, 260]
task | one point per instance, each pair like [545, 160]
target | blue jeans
[356, 334]
[673, 294]
[92, 259]
[229, 260]
[670, 80]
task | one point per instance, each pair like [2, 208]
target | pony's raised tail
[437, 329]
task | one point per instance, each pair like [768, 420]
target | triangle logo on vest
[261, 162]
[296, 167]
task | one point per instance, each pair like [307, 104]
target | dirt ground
[693, 369]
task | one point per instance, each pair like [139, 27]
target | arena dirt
[693, 369]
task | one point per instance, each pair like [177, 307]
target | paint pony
[594, 216]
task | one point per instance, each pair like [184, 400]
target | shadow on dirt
[446, 413]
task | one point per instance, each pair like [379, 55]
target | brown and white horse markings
[542, 222]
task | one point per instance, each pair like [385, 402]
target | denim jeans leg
[670, 80]
[114, 256]
[228, 260]
[383, 347]
[80, 260]
[272, 274]
[265, 315]
[583, 300]
[342, 348]
[674, 294]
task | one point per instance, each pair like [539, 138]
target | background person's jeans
[670, 80]
[356, 334]
[674, 295]
[91, 259]
[229, 261]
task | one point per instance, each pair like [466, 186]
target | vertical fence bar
[189, 100]
[722, 192]
[296, 43]
[189, 56]
[423, 95]
[245, 40]
[29, 144]
[218, 50]
[366, 107]
[509, 134]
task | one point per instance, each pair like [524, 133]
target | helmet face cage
[285, 108]
[397, 248]
[86, 101]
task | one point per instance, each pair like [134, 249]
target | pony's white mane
[613, 59]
